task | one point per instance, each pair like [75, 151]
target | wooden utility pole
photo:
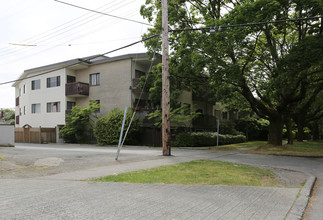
[166, 135]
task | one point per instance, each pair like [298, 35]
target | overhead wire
[126, 19]
[52, 47]
[80, 61]
[71, 25]
[153, 36]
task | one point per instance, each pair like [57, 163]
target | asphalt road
[38, 182]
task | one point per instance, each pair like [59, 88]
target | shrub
[199, 139]
[78, 126]
[253, 128]
[107, 129]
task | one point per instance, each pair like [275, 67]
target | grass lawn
[238, 146]
[200, 172]
[308, 148]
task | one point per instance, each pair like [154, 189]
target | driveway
[41, 185]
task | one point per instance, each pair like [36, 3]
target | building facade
[44, 95]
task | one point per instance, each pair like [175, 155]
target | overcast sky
[41, 32]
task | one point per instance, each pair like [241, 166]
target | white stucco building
[45, 94]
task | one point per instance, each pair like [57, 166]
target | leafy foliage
[79, 124]
[274, 67]
[253, 128]
[107, 129]
[181, 116]
[8, 114]
[200, 139]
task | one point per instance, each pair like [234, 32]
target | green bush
[199, 139]
[107, 129]
[253, 128]
[78, 126]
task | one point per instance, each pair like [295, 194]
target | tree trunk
[289, 129]
[300, 130]
[315, 130]
[275, 136]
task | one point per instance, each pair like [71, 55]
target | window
[70, 79]
[95, 79]
[19, 91]
[20, 112]
[35, 108]
[35, 84]
[53, 81]
[24, 89]
[24, 110]
[70, 105]
[53, 107]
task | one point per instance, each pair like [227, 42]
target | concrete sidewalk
[62, 196]
[48, 199]
[189, 202]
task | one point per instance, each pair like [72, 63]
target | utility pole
[166, 135]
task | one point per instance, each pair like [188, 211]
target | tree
[8, 114]
[181, 116]
[271, 66]
[79, 123]
[107, 129]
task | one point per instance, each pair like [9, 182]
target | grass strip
[200, 172]
[238, 146]
[308, 148]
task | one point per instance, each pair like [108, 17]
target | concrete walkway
[62, 196]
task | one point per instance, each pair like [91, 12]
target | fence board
[35, 135]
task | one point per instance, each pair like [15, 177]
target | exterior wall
[42, 96]
[7, 135]
[113, 91]
[185, 97]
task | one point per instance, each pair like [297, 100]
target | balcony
[134, 87]
[77, 89]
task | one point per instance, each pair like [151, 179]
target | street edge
[299, 206]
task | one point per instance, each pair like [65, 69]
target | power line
[153, 36]
[59, 30]
[51, 47]
[80, 61]
[114, 16]
[215, 28]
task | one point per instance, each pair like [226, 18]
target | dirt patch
[289, 178]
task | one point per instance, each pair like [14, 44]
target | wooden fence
[35, 135]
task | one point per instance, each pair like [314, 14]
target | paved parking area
[41, 192]
[48, 199]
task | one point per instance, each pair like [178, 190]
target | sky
[40, 32]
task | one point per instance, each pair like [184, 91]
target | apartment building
[45, 94]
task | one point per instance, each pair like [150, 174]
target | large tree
[271, 65]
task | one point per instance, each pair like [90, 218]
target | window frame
[33, 108]
[97, 79]
[50, 84]
[50, 105]
[34, 85]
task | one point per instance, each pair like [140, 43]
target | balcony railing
[134, 87]
[77, 89]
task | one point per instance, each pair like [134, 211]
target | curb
[300, 204]
[289, 155]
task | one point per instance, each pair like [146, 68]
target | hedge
[200, 139]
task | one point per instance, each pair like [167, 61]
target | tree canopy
[276, 67]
